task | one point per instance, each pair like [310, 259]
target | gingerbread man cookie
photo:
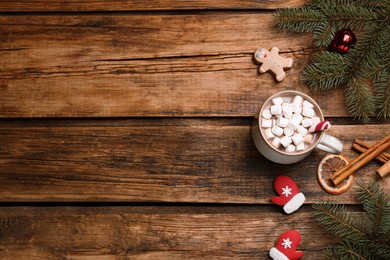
[272, 61]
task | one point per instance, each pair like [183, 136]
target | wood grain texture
[145, 65]
[199, 161]
[134, 5]
[152, 232]
[125, 131]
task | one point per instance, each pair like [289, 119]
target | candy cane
[321, 126]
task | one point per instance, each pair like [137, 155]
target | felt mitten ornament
[286, 246]
[289, 196]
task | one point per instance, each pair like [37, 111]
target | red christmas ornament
[343, 41]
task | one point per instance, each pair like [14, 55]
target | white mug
[321, 141]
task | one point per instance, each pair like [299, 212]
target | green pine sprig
[364, 71]
[362, 236]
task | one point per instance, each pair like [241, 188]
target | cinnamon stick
[380, 158]
[364, 145]
[361, 160]
[384, 169]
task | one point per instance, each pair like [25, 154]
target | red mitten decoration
[289, 196]
[286, 246]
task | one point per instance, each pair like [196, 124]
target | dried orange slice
[328, 166]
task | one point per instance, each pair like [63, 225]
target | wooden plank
[133, 5]
[145, 65]
[156, 161]
[152, 232]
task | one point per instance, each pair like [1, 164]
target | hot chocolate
[288, 123]
[289, 126]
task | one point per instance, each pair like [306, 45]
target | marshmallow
[300, 147]
[276, 142]
[282, 122]
[298, 100]
[293, 124]
[306, 122]
[297, 139]
[285, 141]
[268, 133]
[297, 117]
[302, 130]
[287, 111]
[307, 111]
[288, 131]
[276, 110]
[290, 148]
[297, 109]
[278, 101]
[266, 114]
[276, 130]
[307, 104]
[316, 120]
[308, 139]
[266, 123]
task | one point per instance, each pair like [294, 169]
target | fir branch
[352, 17]
[364, 236]
[338, 221]
[308, 19]
[377, 206]
[380, 49]
[329, 254]
[323, 34]
[299, 19]
[369, 3]
[376, 217]
[330, 4]
[359, 99]
[382, 99]
[369, 51]
[350, 250]
[327, 71]
[379, 71]
[378, 247]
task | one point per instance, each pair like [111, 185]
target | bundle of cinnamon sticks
[361, 146]
[374, 152]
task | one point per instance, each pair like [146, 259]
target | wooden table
[125, 131]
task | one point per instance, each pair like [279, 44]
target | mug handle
[330, 144]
